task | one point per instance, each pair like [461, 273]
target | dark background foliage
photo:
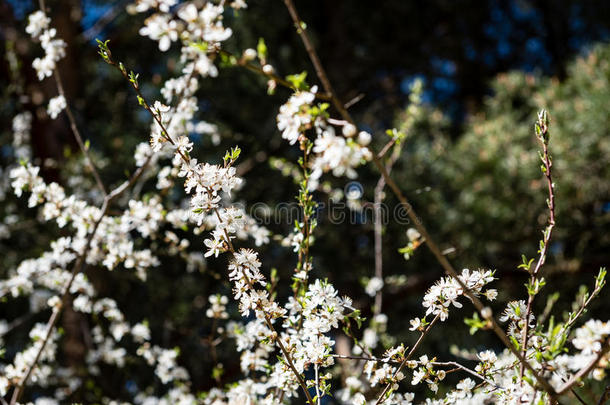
[469, 165]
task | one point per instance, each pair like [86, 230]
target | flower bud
[486, 313]
[349, 130]
[249, 54]
[364, 138]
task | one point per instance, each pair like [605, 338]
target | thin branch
[378, 227]
[378, 232]
[434, 363]
[386, 148]
[381, 397]
[605, 396]
[578, 397]
[353, 101]
[317, 376]
[573, 318]
[586, 369]
[269, 75]
[548, 164]
[301, 30]
[77, 135]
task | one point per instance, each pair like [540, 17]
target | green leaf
[298, 81]
[261, 49]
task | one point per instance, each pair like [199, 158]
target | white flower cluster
[447, 291]
[320, 311]
[386, 371]
[590, 337]
[23, 360]
[338, 154]
[56, 106]
[515, 313]
[198, 28]
[426, 372]
[218, 307]
[294, 116]
[244, 272]
[22, 125]
[54, 48]
[112, 243]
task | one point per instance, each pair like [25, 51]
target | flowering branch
[268, 73]
[54, 51]
[382, 397]
[315, 60]
[156, 114]
[434, 363]
[301, 30]
[542, 133]
[586, 369]
[78, 267]
[296, 334]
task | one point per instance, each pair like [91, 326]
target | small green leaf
[261, 49]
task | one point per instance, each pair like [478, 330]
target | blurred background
[469, 163]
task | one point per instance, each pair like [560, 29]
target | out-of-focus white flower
[56, 106]
[37, 23]
[374, 285]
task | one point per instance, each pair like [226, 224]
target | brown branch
[381, 397]
[605, 396]
[321, 73]
[586, 369]
[378, 226]
[378, 232]
[77, 135]
[434, 363]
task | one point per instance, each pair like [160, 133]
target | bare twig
[386, 148]
[378, 226]
[605, 396]
[313, 56]
[77, 135]
[353, 101]
[378, 230]
[317, 376]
